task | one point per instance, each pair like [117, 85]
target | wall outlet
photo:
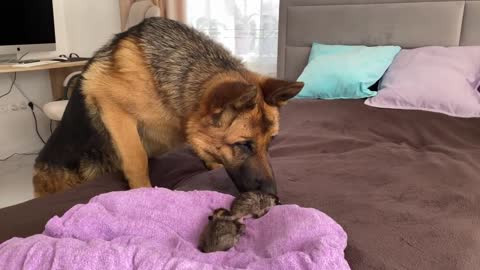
[22, 106]
[14, 107]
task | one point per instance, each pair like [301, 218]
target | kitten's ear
[277, 200]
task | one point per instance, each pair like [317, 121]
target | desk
[58, 72]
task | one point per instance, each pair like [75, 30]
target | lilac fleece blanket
[159, 229]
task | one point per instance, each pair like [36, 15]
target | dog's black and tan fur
[152, 88]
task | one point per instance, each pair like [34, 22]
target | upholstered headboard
[408, 23]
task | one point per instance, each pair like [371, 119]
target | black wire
[31, 105]
[36, 126]
[11, 85]
[14, 78]
[51, 129]
[18, 154]
[22, 56]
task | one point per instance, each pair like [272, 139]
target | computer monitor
[26, 26]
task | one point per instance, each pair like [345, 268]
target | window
[249, 29]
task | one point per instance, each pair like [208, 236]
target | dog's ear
[231, 97]
[278, 92]
[236, 95]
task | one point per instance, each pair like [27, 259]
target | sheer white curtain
[249, 28]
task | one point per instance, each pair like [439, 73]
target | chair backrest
[141, 10]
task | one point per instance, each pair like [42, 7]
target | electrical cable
[14, 79]
[10, 60]
[18, 154]
[27, 98]
[11, 85]
[30, 104]
[19, 59]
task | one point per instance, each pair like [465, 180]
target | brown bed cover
[405, 185]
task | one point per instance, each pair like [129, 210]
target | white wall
[90, 23]
[81, 26]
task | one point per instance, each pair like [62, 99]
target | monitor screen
[27, 22]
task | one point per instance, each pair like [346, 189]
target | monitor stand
[11, 59]
[8, 59]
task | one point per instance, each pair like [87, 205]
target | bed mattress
[404, 185]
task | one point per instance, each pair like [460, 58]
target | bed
[404, 184]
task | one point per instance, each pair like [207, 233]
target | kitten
[252, 204]
[221, 232]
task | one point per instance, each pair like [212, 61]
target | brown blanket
[405, 185]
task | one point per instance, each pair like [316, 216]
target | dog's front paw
[213, 165]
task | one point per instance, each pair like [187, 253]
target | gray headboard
[408, 23]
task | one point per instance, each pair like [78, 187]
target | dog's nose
[267, 187]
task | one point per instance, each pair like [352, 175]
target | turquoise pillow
[344, 72]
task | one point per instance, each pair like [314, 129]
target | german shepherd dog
[152, 88]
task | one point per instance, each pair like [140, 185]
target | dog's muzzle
[250, 178]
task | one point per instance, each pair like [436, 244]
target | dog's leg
[213, 165]
[123, 130]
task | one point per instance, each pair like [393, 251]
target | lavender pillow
[436, 79]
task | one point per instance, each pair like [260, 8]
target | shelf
[10, 69]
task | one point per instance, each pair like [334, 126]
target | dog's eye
[244, 145]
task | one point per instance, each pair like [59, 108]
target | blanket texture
[159, 229]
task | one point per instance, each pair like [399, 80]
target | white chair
[138, 12]
[55, 109]
[141, 10]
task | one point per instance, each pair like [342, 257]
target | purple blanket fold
[159, 229]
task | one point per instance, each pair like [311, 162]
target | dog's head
[237, 119]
